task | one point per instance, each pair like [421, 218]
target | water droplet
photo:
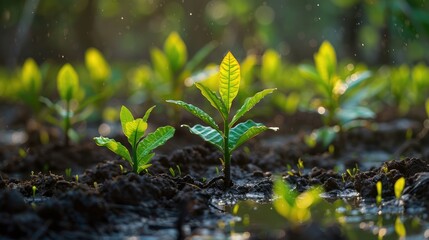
[122, 18]
[318, 5]
[190, 14]
[363, 44]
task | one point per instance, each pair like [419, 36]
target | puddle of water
[358, 219]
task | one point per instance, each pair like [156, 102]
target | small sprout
[141, 147]
[409, 134]
[233, 135]
[399, 187]
[172, 172]
[95, 185]
[68, 172]
[384, 169]
[22, 153]
[203, 179]
[76, 177]
[217, 171]
[32, 173]
[122, 168]
[379, 191]
[179, 170]
[300, 166]
[235, 209]
[34, 188]
[331, 149]
[352, 173]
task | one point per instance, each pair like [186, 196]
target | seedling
[340, 98]
[379, 191]
[30, 85]
[141, 147]
[76, 177]
[68, 172]
[399, 187]
[34, 189]
[232, 135]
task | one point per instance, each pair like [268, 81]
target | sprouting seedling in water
[233, 135]
[141, 147]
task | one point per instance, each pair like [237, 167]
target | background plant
[233, 135]
[141, 147]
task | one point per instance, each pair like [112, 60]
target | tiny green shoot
[172, 172]
[379, 192]
[399, 187]
[34, 189]
[68, 172]
[232, 135]
[141, 147]
[76, 177]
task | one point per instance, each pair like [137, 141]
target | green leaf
[400, 228]
[67, 83]
[114, 146]
[355, 79]
[208, 134]
[98, 68]
[326, 62]
[346, 115]
[143, 167]
[153, 140]
[213, 98]
[427, 107]
[249, 103]
[197, 112]
[399, 187]
[125, 116]
[175, 50]
[147, 114]
[245, 131]
[134, 130]
[271, 64]
[161, 65]
[229, 84]
[31, 77]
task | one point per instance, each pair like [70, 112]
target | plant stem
[134, 158]
[226, 156]
[67, 124]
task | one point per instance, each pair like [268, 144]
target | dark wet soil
[38, 201]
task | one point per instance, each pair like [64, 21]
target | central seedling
[233, 135]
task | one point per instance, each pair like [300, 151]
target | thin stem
[226, 156]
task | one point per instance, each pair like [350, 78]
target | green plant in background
[399, 187]
[170, 68]
[339, 98]
[378, 198]
[30, 85]
[141, 147]
[233, 135]
[293, 206]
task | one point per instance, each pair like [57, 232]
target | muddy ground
[112, 202]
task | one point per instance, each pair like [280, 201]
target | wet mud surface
[38, 200]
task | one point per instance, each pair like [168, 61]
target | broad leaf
[134, 130]
[98, 68]
[208, 134]
[114, 146]
[346, 115]
[31, 77]
[175, 50]
[245, 131]
[399, 187]
[197, 112]
[213, 98]
[249, 103]
[67, 83]
[357, 78]
[161, 65]
[152, 141]
[125, 116]
[326, 61]
[229, 82]
[147, 114]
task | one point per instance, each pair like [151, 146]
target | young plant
[399, 187]
[141, 147]
[339, 100]
[233, 135]
[378, 198]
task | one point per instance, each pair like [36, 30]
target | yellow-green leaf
[197, 112]
[31, 77]
[114, 146]
[271, 64]
[97, 66]
[229, 79]
[379, 191]
[400, 228]
[427, 107]
[125, 116]
[326, 61]
[175, 50]
[208, 134]
[68, 83]
[161, 65]
[213, 98]
[399, 187]
[152, 141]
[135, 130]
